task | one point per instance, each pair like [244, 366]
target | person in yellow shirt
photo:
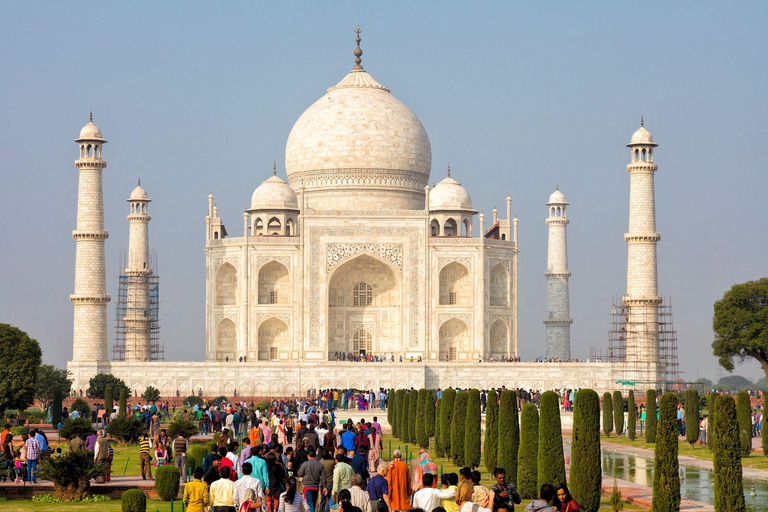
[196, 493]
[449, 481]
[222, 492]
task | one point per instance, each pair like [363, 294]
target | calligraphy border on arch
[338, 253]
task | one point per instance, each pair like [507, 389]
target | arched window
[434, 227]
[274, 284]
[215, 235]
[450, 228]
[273, 228]
[258, 227]
[290, 229]
[455, 287]
[362, 294]
[637, 155]
[362, 341]
[499, 286]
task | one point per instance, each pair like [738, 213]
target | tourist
[503, 493]
[428, 497]
[232, 455]
[342, 476]
[399, 483]
[76, 444]
[223, 441]
[145, 457]
[292, 501]
[222, 492]
[276, 477]
[326, 459]
[450, 482]
[703, 425]
[5, 432]
[481, 494]
[359, 497]
[250, 501]
[101, 456]
[348, 437]
[359, 463]
[90, 442]
[330, 441]
[312, 474]
[196, 493]
[289, 426]
[259, 466]
[546, 494]
[248, 483]
[313, 439]
[464, 498]
[180, 446]
[563, 502]
[299, 458]
[377, 487]
[245, 453]
[208, 458]
[423, 465]
[212, 474]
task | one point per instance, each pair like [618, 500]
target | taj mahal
[354, 254]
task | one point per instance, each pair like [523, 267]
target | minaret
[137, 315]
[558, 320]
[642, 299]
[89, 340]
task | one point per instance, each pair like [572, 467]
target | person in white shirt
[360, 498]
[247, 482]
[320, 431]
[428, 498]
[236, 465]
[464, 498]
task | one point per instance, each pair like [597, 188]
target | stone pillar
[558, 319]
[137, 315]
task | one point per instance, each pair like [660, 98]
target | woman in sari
[374, 449]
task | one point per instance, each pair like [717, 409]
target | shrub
[82, 407]
[527, 458]
[586, 471]
[403, 416]
[126, 430]
[472, 436]
[429, 416]
[744, 414]
[193, 400]
[167, 482]
[133, 500]
[413, 415]
[123, 403]
[631, 416]
[666, 479]
[618, 412]
[457, 428]
[422, 433]
[151, 394]
[99, 383]
[615, 500]
[491, 445]
[398, 413]
[71, 473]
[438, 417]
[216, 438]
[729, 487]
[262, 406]
[650, 416]
[711, 413]
[551, 458]
[607, 414]
[509, 434]
[81, 427]
[195, 455]
[184, 428]
[446, 418]
[56, 408]
[692, 416]
[390, 409]
[109, 403]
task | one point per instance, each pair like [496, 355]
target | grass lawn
[755, 460]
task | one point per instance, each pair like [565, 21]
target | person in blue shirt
[348, 438]
[360, 463]
[41, 440]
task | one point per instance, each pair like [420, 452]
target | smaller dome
[139, 194]
[557, 197]
[274, 194]
[90, 132]
[642, 136]
[449, 195]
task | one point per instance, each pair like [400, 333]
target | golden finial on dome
[449, 169]
[557, 185]
[358, 51]
[642, 122]
[91, 115]
[274, 168]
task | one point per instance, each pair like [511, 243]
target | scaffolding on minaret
[124, 309]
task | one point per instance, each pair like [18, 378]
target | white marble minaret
[558, 321]
[137, 315]
[642, 281]
[90, 299]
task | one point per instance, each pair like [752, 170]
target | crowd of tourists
[21, 461]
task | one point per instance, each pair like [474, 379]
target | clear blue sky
[516, 95]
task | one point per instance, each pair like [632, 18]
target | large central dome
[359, 148]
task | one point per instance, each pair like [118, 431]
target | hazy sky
[516, 95]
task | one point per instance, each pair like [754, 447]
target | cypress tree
[764, 433]
[744, 414]
[711, 414]
[607, 414]
[123, 403]
[618, 412]
[402, 416]
[586, 472]
[491, 444]
[631, 416]
[650, 416]
[666, 476]
[109, 403]
[692, 416]
[528, 454]
[551, 459]
[56, 408]
[392, 413]
[509, 434]
[390, 400]
[729, 487]
[430, 414]
[422, 436]
[413, 415]
[457, 428]
[446, 419]
[438, 421]
[472, 429]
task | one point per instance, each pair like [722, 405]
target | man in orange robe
[399, 483]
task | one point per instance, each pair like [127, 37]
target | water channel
[696, 484]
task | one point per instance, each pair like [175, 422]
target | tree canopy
[49, 379]
[151, 394]
[20, 358]
[740, 324]
[99, 383]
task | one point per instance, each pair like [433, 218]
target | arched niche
[499, 336]
[499, 286]
[455, 286]
[274, 338]
[226, 285]
[226, 339]
[274, 284]
[454, 338]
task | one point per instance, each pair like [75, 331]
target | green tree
[109, 402]
[740, 324]
[71, 474]
[20, 358]
[438, 421]
[692, 416]
[413, 416]
[615, 499]
[729, 487]
[666, 478]
[551, 464]
[390, 401]
[446, 419]
[528, 454]
[618, 412]
[398, 405]
[82, 407]
[711, 414]
[99, 383]
[422, 431]
[509, 434]
[123, 403]
[49, 380]
[56, 409]
[429, 414]
[607, 414]
[491, 446]
[650, 416]
[472, 429]
[151, 394]
[126, 430]
[586, 472]
[458, 427]
[744, 414]
[631, 416]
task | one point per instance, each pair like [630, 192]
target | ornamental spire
[91, 116]
[449, 169]
[274, 168]
[642, 122]
[358, 51]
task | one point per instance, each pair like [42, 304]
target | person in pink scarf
[266, 431]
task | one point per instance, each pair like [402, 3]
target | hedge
[413, 416]
[133, 500]
[692, 416]
[397, 413]
[618, 412]
[167, 482]
[744, 414]
[422, 432]
[196, 454]
[491, 445]
[551, 463]
[631, 416]
[472, 434]
[528, 455]
[509, 434]
[729, 487]
[650, 416]
[402, 417]
[457, 428]
[446, 419]
[607, 414]
[666, 478]
[429, 414]
[438, 420]
[711, 415]
[586, 472]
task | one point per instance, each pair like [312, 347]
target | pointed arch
[274, 284]
[499, 286]
[455, 286]
[273, 339]
[226, 339]
[226, 285]
[453, 338]
[450, 228]
[499, 337]
[274, 227]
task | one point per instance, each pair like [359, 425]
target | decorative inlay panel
[285, 317]
[503, 318]
[221, 316]
[220, 261]
[464, 317]
[442, 262]
[337, 253]
[263, 260]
